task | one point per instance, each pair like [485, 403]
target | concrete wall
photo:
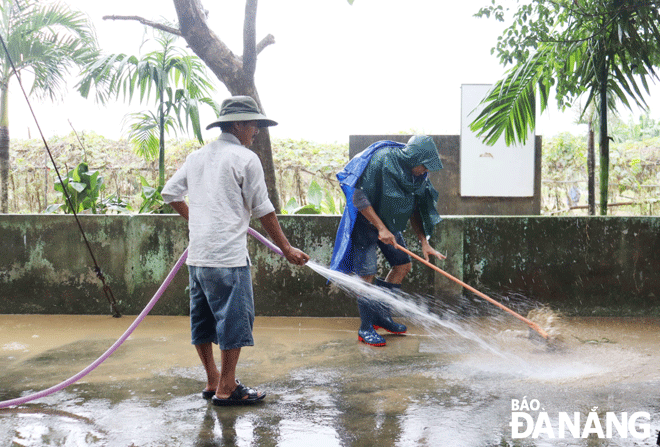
[581, 265]
[448, 180]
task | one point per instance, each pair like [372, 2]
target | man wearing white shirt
[224, 182]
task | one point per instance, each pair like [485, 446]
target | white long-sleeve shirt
[225, 185]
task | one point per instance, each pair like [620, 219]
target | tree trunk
[604, 144]
[591, 168]
[4, 149]
[161, 145]
[262, 142]
[236, 73]
[4, 168]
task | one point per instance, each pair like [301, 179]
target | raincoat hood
[421, 150]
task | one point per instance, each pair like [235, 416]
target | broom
[528, 322]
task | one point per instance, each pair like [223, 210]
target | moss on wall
[582, 265]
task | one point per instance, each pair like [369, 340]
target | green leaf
[148, 192]
[330, 206]
[79, 171]
[315, 194]
[54, 207]
[290, 206]
[78, 186]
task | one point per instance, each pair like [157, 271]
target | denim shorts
[221, 306]
[365, 240]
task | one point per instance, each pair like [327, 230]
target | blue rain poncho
[383, 172]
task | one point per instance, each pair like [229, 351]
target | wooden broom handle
[528, 322]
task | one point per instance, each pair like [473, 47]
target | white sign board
[492, 171]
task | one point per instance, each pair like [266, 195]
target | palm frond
[49, 39]
[510, 106]
[175, 82]
[143, 134]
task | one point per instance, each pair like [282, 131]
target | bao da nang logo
[529, 420]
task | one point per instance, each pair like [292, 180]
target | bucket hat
[241, 108]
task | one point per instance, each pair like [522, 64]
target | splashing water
[549, 320]
[513, 352]
[400, 301]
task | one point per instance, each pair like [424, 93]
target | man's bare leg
[205, 352]
[227, 383]
[397, 273]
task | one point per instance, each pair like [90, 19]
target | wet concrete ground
[432, 387]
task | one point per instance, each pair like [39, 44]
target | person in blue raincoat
[386, 186]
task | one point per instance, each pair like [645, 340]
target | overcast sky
[378, 66]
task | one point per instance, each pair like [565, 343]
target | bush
[127, 177]
[634, 175]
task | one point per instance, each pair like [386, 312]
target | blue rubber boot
[383, 317]
[367, 334]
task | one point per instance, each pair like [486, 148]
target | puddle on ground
[432, 387]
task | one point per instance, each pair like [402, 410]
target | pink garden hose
[265, 241]
[110, 351]
[129, 331]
